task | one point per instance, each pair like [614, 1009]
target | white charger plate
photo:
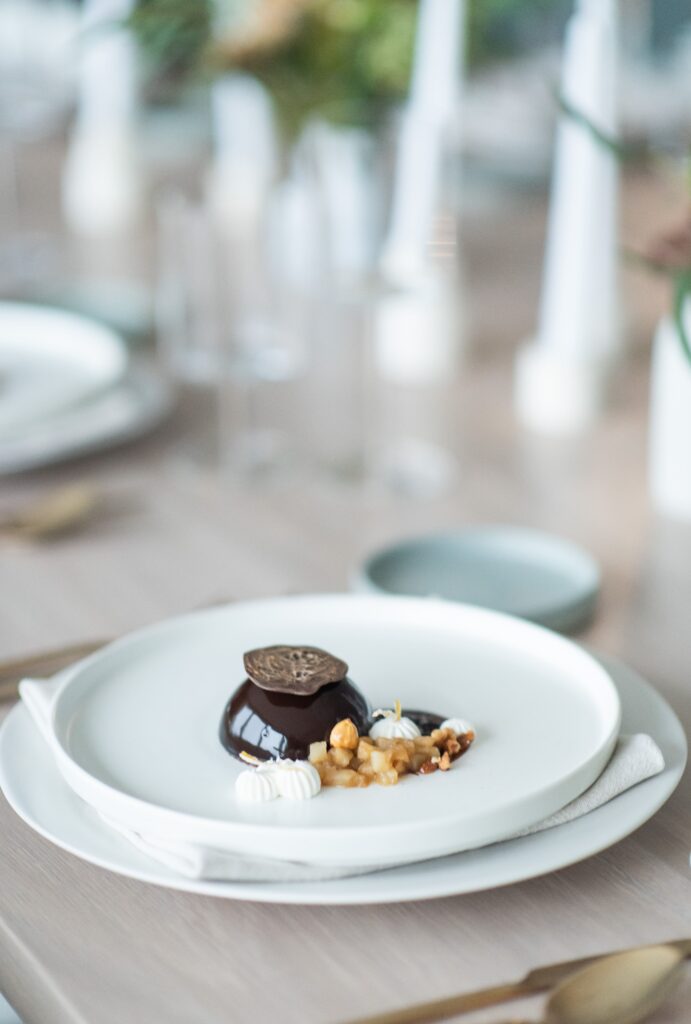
[49, 360]
[135, 405]
[137, 727]
[37, 792]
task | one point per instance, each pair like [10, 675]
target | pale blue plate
[522, 572]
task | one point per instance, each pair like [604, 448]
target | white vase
[670, 422]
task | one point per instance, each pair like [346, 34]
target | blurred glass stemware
[36, 91]
[313, 356]
[228, 323]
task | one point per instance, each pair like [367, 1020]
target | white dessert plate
[35, 789]
[134, 406]
[49, 360]
[136, 727]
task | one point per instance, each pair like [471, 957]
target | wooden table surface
[81, 946]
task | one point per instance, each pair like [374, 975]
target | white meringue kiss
[256, 787]
[296, 780]
[459, 725]
[391, 728]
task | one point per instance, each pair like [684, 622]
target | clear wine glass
[224, 324]
[37, 39]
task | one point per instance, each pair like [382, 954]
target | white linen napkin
[635, 759]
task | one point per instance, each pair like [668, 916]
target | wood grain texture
[81, 946]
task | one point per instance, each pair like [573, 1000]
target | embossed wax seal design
[297, 670]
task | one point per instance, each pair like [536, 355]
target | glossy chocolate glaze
[268, 724]
[426, 721]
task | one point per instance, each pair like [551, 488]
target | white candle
[419, 331]
[436, 77]
[416, 328]
[102, 184]
[244, 141]
[433, 102]
[107, 66]
[561, 376]
[344, 159]
[578, 307]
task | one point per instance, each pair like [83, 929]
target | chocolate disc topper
[297, 670]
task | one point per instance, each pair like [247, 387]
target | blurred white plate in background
[137, 404]
[51, 360]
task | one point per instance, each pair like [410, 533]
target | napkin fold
[635, 759]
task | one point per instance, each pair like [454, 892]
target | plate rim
[154, 397]
[112, 345]
[252, 838]
[394, 888]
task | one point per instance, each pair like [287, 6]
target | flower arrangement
[346, 61]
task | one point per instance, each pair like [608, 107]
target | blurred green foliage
[346, 60]
[494, 26]
[174, 35]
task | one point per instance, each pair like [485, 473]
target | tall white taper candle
[102, 184]
[577, 314]
[561, 375]
[244, 158]
[416, 326]
[432, 106]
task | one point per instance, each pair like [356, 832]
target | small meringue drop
[391, 728]
[255, 787]
[459, 725]
[296, 780]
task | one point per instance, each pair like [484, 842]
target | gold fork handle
[442, 1009]
[541, 979]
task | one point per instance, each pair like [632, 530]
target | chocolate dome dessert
[293, 697]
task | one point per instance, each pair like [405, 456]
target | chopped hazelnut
[356, 761]
[344, 735]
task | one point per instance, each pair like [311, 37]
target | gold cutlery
[57, 512]
[542, 979]
[619, 989]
